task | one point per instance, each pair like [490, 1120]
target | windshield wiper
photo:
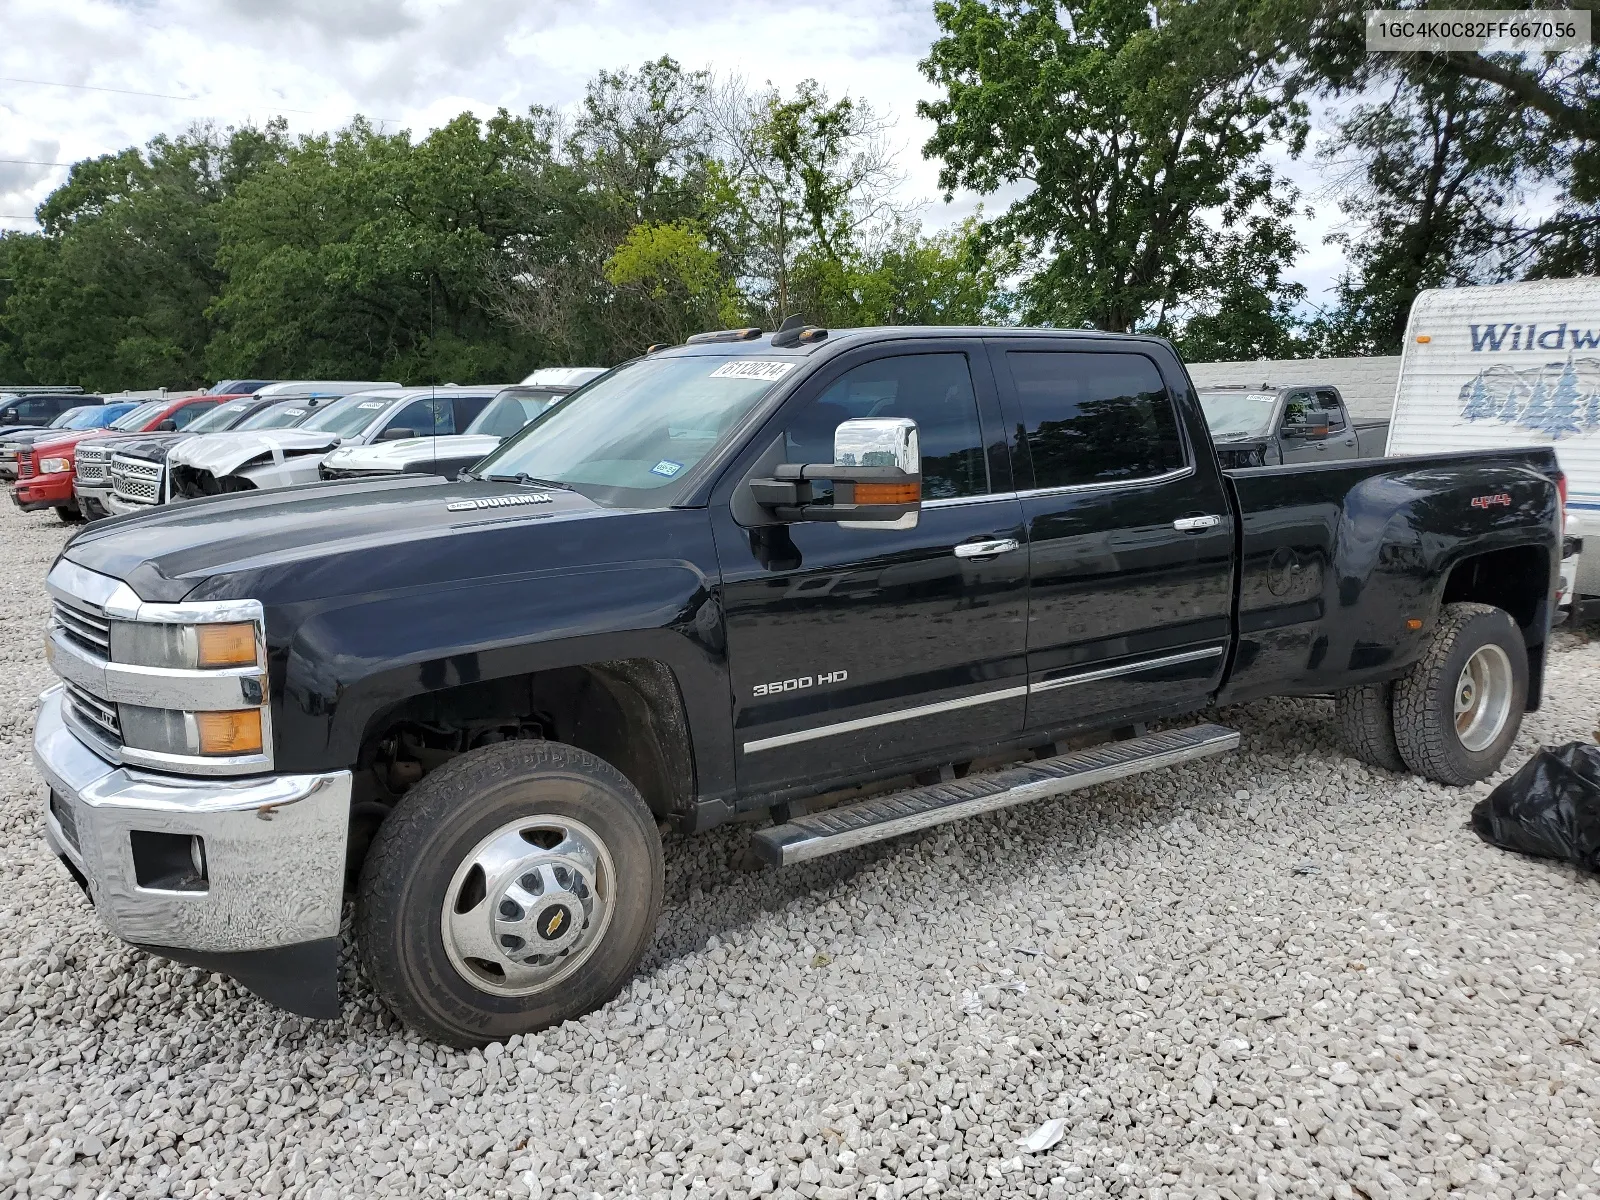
[526, 480]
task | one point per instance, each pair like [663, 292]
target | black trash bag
[1550, 808]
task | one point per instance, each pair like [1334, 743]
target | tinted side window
[1094, 418]
[425, 417]
[934, 390]
[1331, 408]
[189, 412]
[40, 411]
[1301, 408]
[467, 409]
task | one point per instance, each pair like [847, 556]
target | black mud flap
[303, 978]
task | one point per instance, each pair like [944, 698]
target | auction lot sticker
[753, 370]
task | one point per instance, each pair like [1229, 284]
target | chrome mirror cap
[878, 442]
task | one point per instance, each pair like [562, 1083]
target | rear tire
[1458, 710]
[1366, 719]
[515, 887]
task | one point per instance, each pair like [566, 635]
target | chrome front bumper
[98, 495]
[273, 847]
[120, 507]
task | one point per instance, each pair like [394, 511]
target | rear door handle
[987, 548]
[1196, 524]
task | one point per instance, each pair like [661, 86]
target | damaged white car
[513, 408]
[274, 458]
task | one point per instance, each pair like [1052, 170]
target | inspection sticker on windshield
[666, 467]
[753, 370]
[297, 412]
[370, 404]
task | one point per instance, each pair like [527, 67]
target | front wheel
[1458, 710]
[515, 887]
[69, 514]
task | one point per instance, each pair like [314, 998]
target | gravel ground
[1278, 973]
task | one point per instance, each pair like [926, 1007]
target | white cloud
[417, 63]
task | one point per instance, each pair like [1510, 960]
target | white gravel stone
[1149, 962]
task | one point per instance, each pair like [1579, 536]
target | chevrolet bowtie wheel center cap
[528, 905]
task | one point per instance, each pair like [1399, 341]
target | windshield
[347, 416]
[641, 427]
[137, 418]
[512, 409]
[280, 416]
[66, 419]
[222, 416]
[1237, 414]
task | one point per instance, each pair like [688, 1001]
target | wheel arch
[1519, 579]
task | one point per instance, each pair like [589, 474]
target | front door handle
[987, 548]
[1196, 524]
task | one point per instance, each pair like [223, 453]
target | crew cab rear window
[934, 390]
[1093, 418]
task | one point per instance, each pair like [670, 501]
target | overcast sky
[416, 63]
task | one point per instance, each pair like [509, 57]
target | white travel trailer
[1505, 365]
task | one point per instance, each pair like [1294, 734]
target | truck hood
[399, 456]
[151, 446]
[167, 552]
[224, 453]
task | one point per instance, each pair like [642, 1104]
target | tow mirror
[399, 434]
[1304, 429]
[167, 426]
[876, 474]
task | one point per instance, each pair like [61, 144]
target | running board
[882, 817]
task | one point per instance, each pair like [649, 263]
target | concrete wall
[1367, 384]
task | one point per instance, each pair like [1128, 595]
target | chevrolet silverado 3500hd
[734, 576]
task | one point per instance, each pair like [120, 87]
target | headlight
[208, 734]
[184, 647]
[54, 466]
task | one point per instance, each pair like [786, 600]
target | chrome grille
[25, 467]
[92, 464]
[89, 630]
[98, 714]
[135, 480]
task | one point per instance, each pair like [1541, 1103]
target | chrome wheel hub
[1483, 698]
[528, 905]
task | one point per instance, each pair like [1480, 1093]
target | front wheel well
[628, 712]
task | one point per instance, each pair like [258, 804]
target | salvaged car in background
[259, 460]
[448, 454]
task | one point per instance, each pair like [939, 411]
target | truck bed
[1335, 558]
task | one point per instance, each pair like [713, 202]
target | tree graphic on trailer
[1562, 408]
[1480, 405]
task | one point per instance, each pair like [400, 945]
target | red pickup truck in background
[44, 473]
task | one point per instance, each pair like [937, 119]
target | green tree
[363, 255]
[114, 293]
[638, 155]
[808, 179]
[1433, 169]
[1130, 128]
[678, 275]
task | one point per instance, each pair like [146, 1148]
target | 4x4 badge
[499, 501]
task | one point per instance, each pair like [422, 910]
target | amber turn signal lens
[1424, 338]
[237, 732]
[226, 645]
[888, 493]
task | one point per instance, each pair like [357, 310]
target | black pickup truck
[948, 569]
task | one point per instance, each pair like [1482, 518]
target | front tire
[515, 887]
[1458, 710]
[68, 514]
